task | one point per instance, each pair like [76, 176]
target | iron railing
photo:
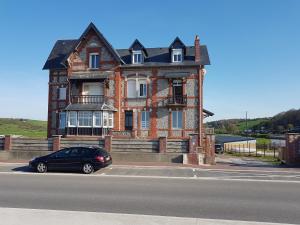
[177, 99]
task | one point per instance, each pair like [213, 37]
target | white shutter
[131, 89]
[62, 93]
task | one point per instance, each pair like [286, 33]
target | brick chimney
[197, 49]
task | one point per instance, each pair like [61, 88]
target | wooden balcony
[177, 101]
[88, 99]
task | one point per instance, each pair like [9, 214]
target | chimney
[197, 49]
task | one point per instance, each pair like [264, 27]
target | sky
[254, 47]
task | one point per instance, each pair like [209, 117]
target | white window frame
[62, 115]
[95, 118]
[144, 83]
[145, 124]
[139, 52]
[69, 119]
[110, 119]
[62, 93]
[175, 118]
[105, 119]
[177, 52]
[91, 60]
[138, 82]
[79, 117]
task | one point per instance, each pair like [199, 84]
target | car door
[75, 159]
[59, 160]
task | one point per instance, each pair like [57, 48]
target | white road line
[13, 216]
[151, 177]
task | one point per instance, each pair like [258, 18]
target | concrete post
[162, 144]
[56, 142]
[7, 142]
[108, 143]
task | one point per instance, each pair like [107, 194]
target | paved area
[255, 173]
[13, 216]
[185, 196]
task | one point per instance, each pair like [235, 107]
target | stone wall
[291, 154]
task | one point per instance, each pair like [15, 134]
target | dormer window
[94, 61]
[137, 57]
[176, 55]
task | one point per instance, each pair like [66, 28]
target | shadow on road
[23, 169]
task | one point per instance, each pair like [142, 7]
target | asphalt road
[267, 201]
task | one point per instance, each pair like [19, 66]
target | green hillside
[24, 127]
[278, 124]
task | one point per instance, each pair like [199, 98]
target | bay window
[72, 119]
[97, 119]
[85, 119]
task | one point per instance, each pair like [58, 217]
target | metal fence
[258, 150]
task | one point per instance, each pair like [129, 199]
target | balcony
[177, 100]
[88, 99]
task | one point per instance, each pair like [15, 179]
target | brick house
[140, 92]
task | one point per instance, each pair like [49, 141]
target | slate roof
[154, 56]
[90, 107]
[221, 139]
[161, 57]
[61, 49]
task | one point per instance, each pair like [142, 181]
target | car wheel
[87, 168]
[41, 167]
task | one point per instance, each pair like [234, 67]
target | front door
[129, 120]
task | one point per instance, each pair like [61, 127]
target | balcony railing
[87, 99]
[177, 100]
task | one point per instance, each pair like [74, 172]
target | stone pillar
[56, 142]
[162, 144]
[292, 150]
[210, 149]
[193, 143]
[108, 143]
[7, 142]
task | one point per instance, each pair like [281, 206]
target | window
[97, 119]
[62, 93]
[105, 119]
[137, 57]
[131, 88]
[176, 55]
[94, 61]
[143, 89]
[110, 119]
[72, 119]
[85, 119]
[145, 119]
[136, 88]
[62, 120]
[177, 119]
[128, 120]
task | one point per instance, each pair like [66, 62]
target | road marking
[151, 177]
[13, 216]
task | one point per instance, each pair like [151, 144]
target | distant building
[236, 143]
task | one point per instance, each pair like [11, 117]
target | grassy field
[250, 123]
[24, 127]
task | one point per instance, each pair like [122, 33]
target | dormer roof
[137, 46]
[177, 43]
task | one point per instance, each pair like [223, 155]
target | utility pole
[247, 127]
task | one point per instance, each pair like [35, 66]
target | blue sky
[254, 47]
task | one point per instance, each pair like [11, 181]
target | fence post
[274, 152]
[265, 150]
[249, 149]
[163, 145]
[108, 143]
[7, 142]
[56, 142]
